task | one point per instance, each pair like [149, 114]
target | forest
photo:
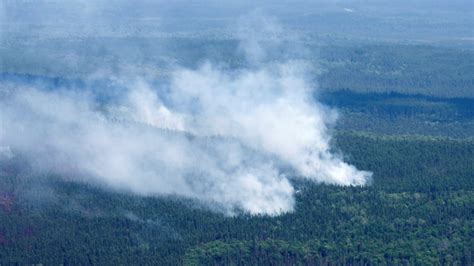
[418, 210]
[399, 77]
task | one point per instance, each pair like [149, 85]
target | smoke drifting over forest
[229, 138]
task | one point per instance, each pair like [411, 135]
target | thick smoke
[232, 139]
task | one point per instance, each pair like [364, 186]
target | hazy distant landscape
[237, 133]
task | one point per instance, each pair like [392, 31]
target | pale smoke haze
[263, 119]
[226, 138]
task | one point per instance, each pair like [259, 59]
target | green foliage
[364, 67]
[399, 114]
[419, 210]
[408, 69]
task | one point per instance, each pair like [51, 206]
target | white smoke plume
[232, 139]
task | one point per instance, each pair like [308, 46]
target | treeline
[363, 67]
[401, 114]
[408, 69]
[419, 210]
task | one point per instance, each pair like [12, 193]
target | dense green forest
[406, 112]
[398, 74]
[419, 210]
[408, 69]
[337, 65]
[401, 114]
